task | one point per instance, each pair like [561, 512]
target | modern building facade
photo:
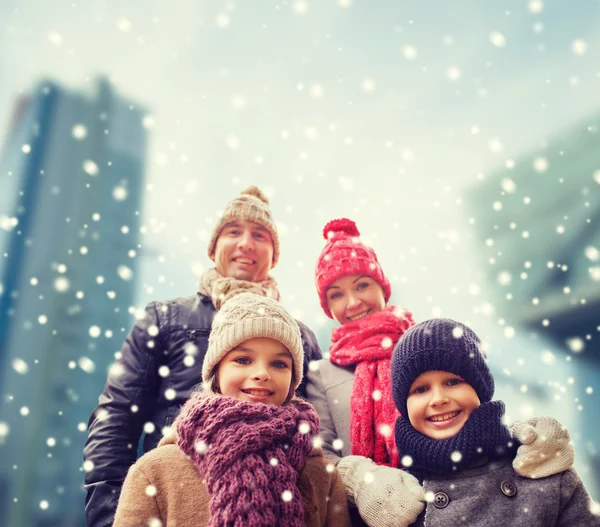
[538, 223]
[71, 174]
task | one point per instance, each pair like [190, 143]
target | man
[161, 359]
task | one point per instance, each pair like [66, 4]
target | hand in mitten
[545, 449]
[384, 496]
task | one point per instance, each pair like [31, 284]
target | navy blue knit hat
[444, 345]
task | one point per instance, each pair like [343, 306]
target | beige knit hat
[250, 205]
[246, 316]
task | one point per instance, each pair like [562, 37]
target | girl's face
[258, 370]
[439, 404]
[353, 297]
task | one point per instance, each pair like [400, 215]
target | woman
[352, 390]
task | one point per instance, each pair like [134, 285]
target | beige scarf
[221, 288]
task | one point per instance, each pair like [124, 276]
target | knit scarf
[250, 455]
[369, 343]
[483, 436]
[221, 288]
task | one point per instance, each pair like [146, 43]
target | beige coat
[165, 485]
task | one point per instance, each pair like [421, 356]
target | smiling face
[244, 250]
[258, 370]
[353, 297]
[439, 404]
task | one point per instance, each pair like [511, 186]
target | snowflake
[579, 47]
[337, 444]
[456, 456]
[201, 447]
[20, 366]
[541, 165]
[149, 427]
[150, 491]
[497, 39]
[409, 52]
[90, 168]
[304, 428]
[576, 344]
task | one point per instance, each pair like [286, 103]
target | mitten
[545, 449]
[384, 496]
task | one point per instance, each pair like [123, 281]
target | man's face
[244, 250]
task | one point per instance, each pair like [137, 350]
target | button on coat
[508, 488]
[441, 500]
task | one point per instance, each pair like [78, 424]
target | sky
[386, 112]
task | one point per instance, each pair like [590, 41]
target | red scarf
[369, 344]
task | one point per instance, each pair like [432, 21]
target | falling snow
[464, 157]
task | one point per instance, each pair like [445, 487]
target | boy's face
[439, 404]
[258, 370]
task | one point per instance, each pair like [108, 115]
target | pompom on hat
[250, 205]
[439, 344]
[344, 254]
[248, 316]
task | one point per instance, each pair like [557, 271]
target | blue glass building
[71, 174]
[537, 221]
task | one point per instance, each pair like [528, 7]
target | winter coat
[160, 363]
[179, 498]
[329, 389]
[494, 494]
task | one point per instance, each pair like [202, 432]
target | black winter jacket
[160, 363]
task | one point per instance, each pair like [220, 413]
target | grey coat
[494, 495]
[329, 390]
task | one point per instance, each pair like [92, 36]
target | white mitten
[545, 449]
[384, 496]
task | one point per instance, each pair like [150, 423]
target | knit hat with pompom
[250, 205]
[344, 254]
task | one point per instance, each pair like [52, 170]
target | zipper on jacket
[193, 333]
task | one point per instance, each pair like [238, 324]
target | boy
[453, 439]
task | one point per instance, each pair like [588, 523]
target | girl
[352, 390]
[241, 453]
[455, 441]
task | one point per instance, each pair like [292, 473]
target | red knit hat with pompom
[343, 255]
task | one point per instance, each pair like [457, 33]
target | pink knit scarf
[251, 456]
[369, 343]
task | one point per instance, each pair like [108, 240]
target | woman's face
[353, 297]
[258, 370]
